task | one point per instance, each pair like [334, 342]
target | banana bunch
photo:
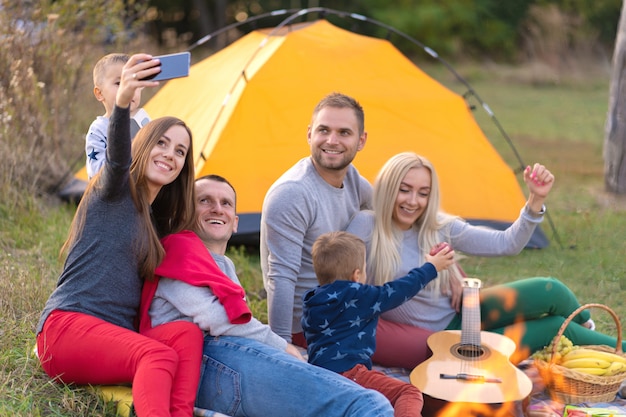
[594, 362]
[582, 359]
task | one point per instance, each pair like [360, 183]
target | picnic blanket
[539, 404]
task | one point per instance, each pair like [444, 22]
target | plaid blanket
[539, 404]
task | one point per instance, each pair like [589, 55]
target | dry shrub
[46, 104]
[557, 45]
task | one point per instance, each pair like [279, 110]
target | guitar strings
[471, 349]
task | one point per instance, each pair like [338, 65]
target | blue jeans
[243, 377]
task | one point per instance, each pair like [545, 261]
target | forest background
[542, 66]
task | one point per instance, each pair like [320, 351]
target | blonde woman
[407, 220]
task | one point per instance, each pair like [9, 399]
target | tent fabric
[249, 106]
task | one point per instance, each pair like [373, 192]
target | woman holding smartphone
[87, 333]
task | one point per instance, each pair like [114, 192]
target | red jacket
[188, 260]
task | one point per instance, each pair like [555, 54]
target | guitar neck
[470, 330]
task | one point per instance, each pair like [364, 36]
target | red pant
[298, 339]
[163, 365]
[400, 345]
[406, 399]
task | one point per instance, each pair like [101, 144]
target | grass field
[560, 125]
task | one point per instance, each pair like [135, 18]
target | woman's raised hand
[138, 67]
[539, 180]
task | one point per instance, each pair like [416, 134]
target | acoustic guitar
[470, 365]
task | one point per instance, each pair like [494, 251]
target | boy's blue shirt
[339, 319]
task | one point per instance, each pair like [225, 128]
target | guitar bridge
[470, 378]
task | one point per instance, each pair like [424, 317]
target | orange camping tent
[249, 106]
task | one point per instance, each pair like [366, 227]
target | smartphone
[172, 66]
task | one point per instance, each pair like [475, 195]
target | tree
[615, 129]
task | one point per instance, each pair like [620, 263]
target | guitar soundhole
[469, 352]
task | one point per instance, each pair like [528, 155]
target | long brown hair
[171, 211]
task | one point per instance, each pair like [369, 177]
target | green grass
[32, 232]
[562, 126]
[558, 125]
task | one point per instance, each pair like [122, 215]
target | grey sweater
[177, 300]
[430, 310]
[298, 208]
[100, 276]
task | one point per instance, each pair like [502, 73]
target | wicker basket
[572, 387]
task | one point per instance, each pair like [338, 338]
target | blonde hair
[384, 259]
[336, 255]
[102, 64]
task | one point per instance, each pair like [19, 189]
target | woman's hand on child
[441, 256]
